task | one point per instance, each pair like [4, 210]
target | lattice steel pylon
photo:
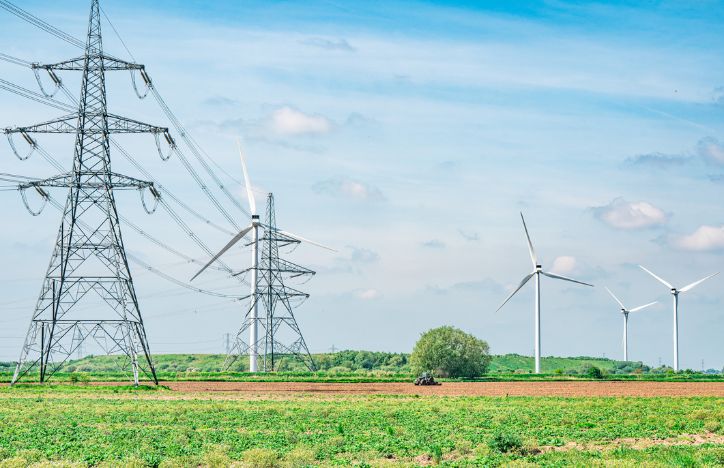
[88, 265]
[279, 335]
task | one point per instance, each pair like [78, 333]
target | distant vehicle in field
[426, 379]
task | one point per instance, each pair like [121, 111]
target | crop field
[121, 426]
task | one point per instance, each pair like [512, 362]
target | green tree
[450, 352]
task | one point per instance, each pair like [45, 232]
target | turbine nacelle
[255, 222]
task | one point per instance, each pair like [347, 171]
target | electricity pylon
[279, 334]
[88, 265]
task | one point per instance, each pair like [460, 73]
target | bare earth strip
[554, 389]
[639, 444]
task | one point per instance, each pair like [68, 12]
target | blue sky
[409, 135]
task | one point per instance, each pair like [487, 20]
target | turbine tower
[267, 287]
[537, 271]
[675, 294]
[88, 265]
[253, 317]
[625, 313]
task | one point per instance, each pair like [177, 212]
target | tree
[450, 352]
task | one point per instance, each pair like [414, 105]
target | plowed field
[571, 389]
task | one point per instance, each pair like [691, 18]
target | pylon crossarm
[285, 266]
[116, 182]
[69, 124]
[79, 64]
[280, 239]
[292, 293]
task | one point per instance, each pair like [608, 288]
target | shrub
[261, 458]
[450, 352]
[14, 462]
[505, 442]
[593, 372]
[712, 426]
[436, 454]
[216, 458]
[181, 462]
[300, 457]
[32, 455]
[59, 464]
[79, 377]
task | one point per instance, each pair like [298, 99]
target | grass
[154, 426]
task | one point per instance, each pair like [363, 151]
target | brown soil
[561, 389]
[639, 444]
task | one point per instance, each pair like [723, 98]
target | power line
[35, 21]
[15, 60]
[33, 96]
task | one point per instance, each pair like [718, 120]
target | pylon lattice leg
[88, 291]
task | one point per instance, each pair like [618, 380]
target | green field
[155, 426]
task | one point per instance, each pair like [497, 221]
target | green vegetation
[450, 352]
[157, 427]
[359, 366]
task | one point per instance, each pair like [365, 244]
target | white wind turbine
[675, 293]
[537, 271]
[625, 313]
[254, 229]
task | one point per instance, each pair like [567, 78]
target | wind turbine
[537, 271]
[675, 293]
[625, 313]
[254, 229]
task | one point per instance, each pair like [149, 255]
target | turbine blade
[231, 243]
[300, 238]
[551, 275]
[696, 283]
[659, 279]
[531, 250]
[616, 299]
[636, 309]
[249, 194]
[522, 283]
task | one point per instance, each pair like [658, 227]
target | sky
[409, 136]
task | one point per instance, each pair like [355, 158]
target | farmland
[92, 425]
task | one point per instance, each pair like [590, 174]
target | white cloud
[350, 188]
[367, 294]
[292, 122]
[563, 265]
[703, 239]
[328, 44]
[711, 150]
[718, 96]
[469, 236]
[434, 244]
[621, 214]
